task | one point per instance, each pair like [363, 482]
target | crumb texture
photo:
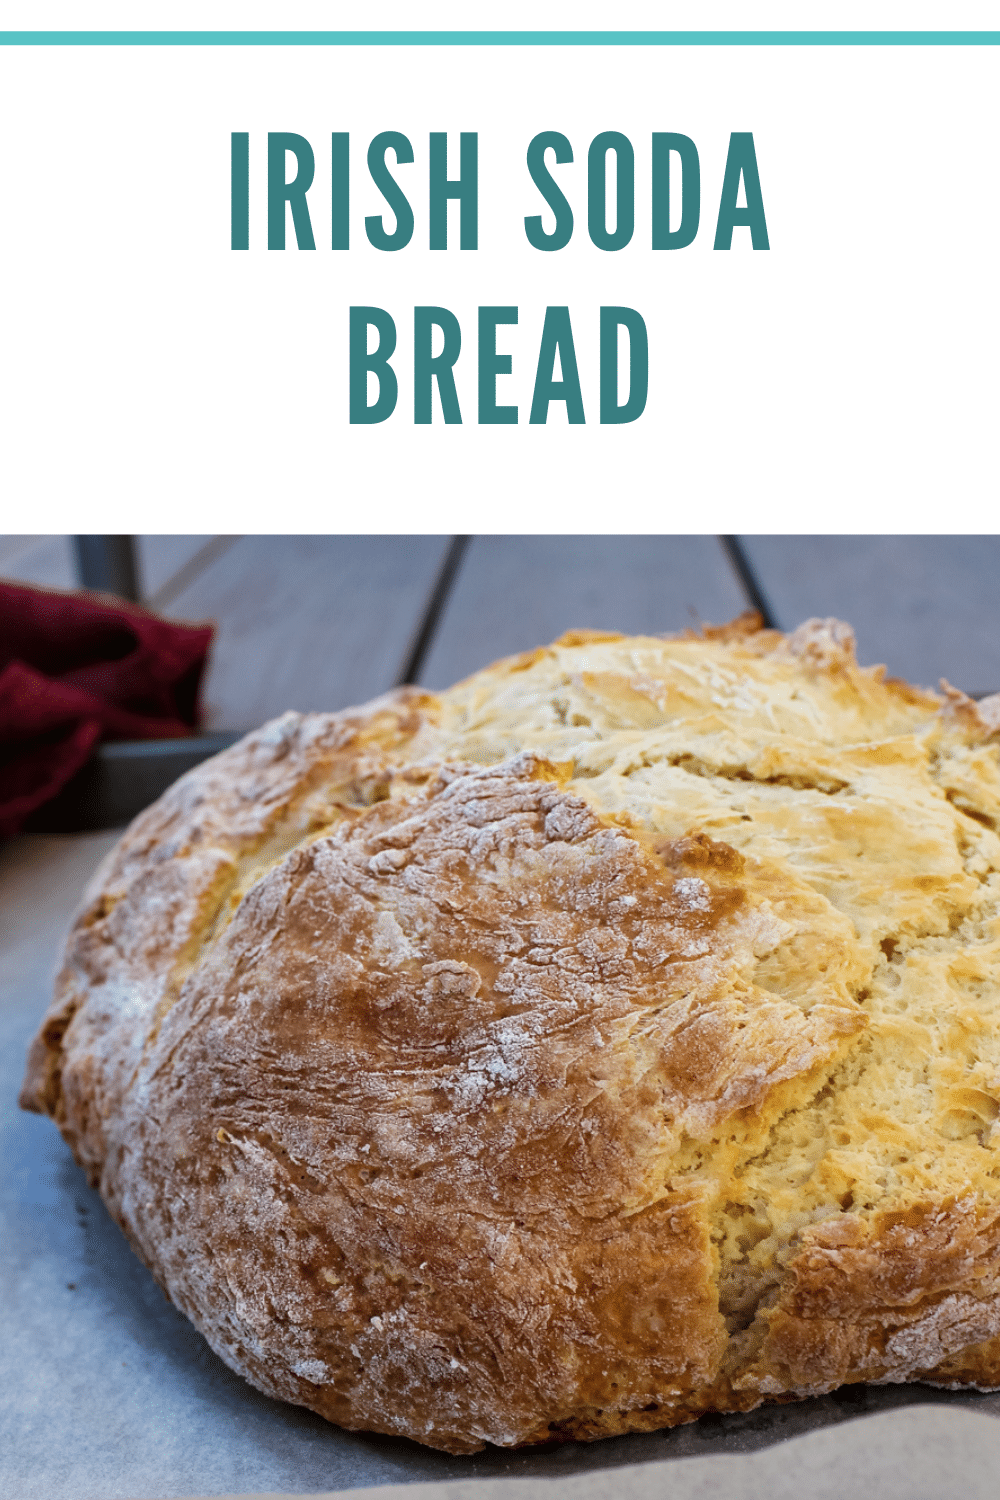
[610, 1039]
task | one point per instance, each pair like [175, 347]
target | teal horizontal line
[500, 38]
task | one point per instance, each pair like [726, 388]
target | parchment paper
[920, 1454]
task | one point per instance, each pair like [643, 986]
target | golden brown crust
[888, 1298]
[146, 912]
[610, 1039]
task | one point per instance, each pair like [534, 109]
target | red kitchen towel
[78, 668]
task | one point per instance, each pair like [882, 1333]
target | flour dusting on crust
[610, 1039]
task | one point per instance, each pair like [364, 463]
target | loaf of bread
[611, 1039]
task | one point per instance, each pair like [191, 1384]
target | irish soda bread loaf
[610, 1039]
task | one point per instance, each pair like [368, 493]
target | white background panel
[843, 380]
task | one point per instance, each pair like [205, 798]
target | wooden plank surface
[308, 622]
[162, 558]
[49, 560]
[516, 592]
[325, 620]
[44, 560]
[926, 606]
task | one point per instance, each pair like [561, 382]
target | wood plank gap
[107, 565]
[214, 548]
[748, 580]
[439, 594]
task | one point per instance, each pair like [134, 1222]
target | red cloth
[78, 668]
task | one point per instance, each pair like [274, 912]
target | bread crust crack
[613, 1038]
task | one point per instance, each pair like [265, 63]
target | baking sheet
[107, 1393]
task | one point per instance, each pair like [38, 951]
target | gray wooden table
[319, 622]
[105, 1391]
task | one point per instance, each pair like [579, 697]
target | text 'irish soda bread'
[610, 1039]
